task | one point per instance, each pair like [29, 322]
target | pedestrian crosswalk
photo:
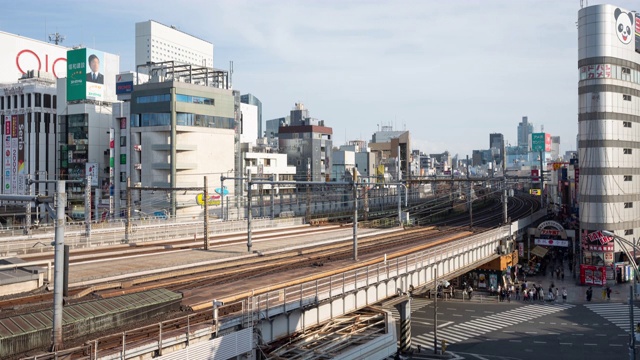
[473, 328]
[417, 303]
[616, 313]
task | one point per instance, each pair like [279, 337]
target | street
[519, 330]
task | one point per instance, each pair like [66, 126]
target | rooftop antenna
[56, 38]
[231, 74]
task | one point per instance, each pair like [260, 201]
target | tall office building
[609, 127]
[525, 129]
[307, 143]
[496, 141]
[156, 42]
[252, 100]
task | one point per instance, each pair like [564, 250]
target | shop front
[597, 264]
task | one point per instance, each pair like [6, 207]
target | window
[47, 101]
[628, 178]
[37, 99]
[1, 102]
[626, 97]
[194, 99]
[628, 232]
[628, 205]
[55, 100]
[22, 100]
[626, 70]
[123, 141]
[626, 124]
[627, 151]
[123, 159]
[153, 98]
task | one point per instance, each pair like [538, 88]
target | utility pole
[366, 204]
[355, 214]
[87, 207]
[206, 214]
[61, 200]
[435, 310]
[541, 181]
[127, 224]
[308, 206]
[27, 225]
[249, 210]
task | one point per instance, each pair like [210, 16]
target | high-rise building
[496, 141]
[525, 129]
[272, 127]
[252, 100]
[156, 42]
[307, 143]
[609, 127]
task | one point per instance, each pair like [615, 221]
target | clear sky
[451, 72]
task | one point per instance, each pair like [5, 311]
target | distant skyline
[449, 72]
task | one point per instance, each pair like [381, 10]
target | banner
[551, 242]
[22, 169]
[7, 156]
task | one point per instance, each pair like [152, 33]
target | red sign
[549, 232]
[31, 53]
[593, 275]
[535, 175]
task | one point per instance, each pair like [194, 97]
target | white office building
[156, 42]
[249, 123]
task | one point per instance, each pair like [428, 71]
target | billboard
[22, 169]
[547, 142]
[637, 32]
[6, 189]
[85, 70]
[21, 54]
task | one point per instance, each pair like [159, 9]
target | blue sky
[450, 72]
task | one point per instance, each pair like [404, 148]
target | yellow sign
[534, 192]
[213, 199]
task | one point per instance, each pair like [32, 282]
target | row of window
[194, 99]
[179, 97]
[18, 101]
[153, 99]
[626, 97]
[182, 119]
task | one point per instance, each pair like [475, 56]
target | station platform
[19, 279]
[89, 273]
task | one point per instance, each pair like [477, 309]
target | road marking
[577, 334]
[590, 344]
[539, 342]
[574, 324]
[454, 309]
[476, 316]
[489, 312]
[615, 344]
[531, 332]
[541, 322]
[566, 343]
[445, 324]
[458, 315]
[508, 331]
[516, 341]
[468, 310]
[552, 333]
[563, 323]
[601, 335]
[552, 323]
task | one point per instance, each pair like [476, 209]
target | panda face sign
[623, 25]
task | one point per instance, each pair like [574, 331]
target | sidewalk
[576, 293]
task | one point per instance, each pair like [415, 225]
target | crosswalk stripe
[616, 313]
[476, 327]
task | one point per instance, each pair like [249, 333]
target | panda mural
[624, 22]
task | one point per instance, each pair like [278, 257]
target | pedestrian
[518, 292]
[531, 295]
[562, 275]
[564, 295]
[604, 294]
[525, 295]
[541, 294]
[589, 293]
[608, 293]
[557, 294]
[470, 290]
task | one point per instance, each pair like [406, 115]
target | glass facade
[74, 140]
[153, 99]
[182, 119]
[194, 99]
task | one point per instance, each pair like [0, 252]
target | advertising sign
[125, 87]
[21, 54]
[552, 242]
[22, 169]
[7, 156]
[91, 169]
[593, 275]
[538, 142]
[14, 153]
[85, 74]
[213, 199]
[637, 32]
[547, 142]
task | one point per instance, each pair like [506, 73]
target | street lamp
[622, 242]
